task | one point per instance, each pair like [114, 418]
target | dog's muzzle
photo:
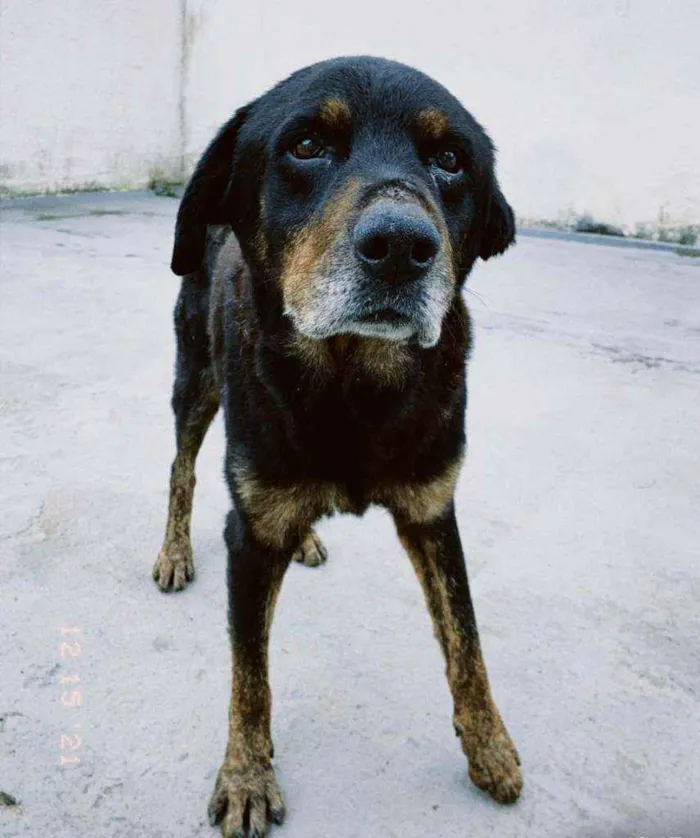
[387, 276]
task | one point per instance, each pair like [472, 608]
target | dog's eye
[307, 148]
[448, 159]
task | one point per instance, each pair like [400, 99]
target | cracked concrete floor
[579, 507]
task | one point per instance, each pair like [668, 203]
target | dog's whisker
[473, 293]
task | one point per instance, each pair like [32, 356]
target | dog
[323, 242]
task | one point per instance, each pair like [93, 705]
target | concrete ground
[580, 511]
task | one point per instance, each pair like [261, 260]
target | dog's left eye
[307, 148]
[448, 159]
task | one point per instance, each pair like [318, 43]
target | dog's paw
[311, 552]
[494, 767]
[174, 567]
[245, 800]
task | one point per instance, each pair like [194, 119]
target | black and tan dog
[323, 241]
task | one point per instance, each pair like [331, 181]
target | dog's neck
[386, 363]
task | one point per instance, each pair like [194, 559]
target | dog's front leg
[247, 796]
[436, 553]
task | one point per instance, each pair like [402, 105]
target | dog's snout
[396, 242]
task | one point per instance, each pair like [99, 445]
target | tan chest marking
[280, 514]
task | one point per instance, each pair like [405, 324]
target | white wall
[594, 104]
[88, 92]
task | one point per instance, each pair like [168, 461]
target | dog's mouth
[384, 317]
[342, 300]
[386, 323]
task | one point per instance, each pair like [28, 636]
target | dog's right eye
[307, 148]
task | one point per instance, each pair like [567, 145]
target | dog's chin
[397, 330]
[400, 331]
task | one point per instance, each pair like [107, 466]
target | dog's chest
[277, 511]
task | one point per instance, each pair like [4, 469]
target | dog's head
[361, 193]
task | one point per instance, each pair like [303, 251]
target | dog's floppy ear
[204, 201]
[499, 232]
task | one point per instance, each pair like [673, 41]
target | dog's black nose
[396, 242]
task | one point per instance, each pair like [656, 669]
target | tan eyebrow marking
[336, 113]
[433, 123]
